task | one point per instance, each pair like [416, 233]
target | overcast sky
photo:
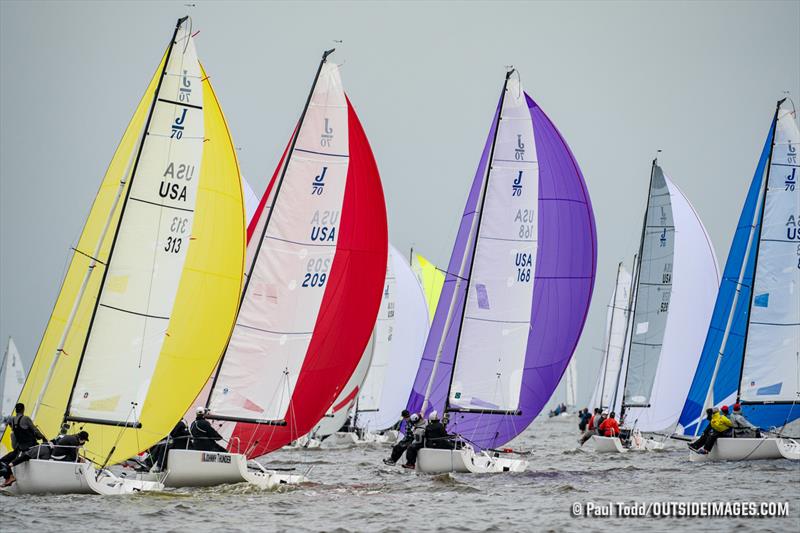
[698, 80]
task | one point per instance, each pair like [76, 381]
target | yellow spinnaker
[205, 306]
[431, 279]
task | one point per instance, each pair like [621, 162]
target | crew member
[400, 448]
[204, 436]
[609, 427]
[24, 434]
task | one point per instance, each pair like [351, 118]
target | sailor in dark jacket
[436, 434]
[204, 436]
[405, 442]
[24, 433]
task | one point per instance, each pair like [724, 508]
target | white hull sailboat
[143, 275]
[752, 351]
[671, 301]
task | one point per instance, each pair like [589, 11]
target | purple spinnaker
[564, 279]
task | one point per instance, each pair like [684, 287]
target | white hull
[56, 477]
[638, 443]
[608, 444]
[433, 461]
[192, 468]
[749, 449]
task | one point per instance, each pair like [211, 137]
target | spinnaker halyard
[152, 288]
[517, 288]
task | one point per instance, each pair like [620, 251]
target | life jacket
[591, 423]
[25, 437]
[720, 422]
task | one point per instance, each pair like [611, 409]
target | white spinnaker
[571, 384]
[771, 369]
[410, 330]
[613, 343]
[282, 300]
[695, 280]
[371, 389]
[494, 335]
[13, 378]
[138, 294]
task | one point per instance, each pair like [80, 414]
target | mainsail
[571, 384]
[614, 341]
[752, 349]
[394, 368]
[519, 281]
[152, 287]
[316, 263]
[13, 378]
[675, 283]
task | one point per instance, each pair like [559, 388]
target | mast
[249, 274]
[628, 319]
[460, 275]
[127, 178]
[610, 330]
[638, 277]
[764, 191]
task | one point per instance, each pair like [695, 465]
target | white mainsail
[141, 282]
[496, 322]
[13, 378]
[771, 370]
[614, 342]
[279, 309]
[385, 392]
[572, 384]
[674, 299]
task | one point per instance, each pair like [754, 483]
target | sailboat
[152, 286]
[571, 386]
[13, 379]
[614, 342]
[516, 292]
[316, 263]
[752, 351]
[675, 282]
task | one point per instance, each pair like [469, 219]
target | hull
[55, 477]
[465, 460]
[608, 444]
[749, 449]
[192, 468]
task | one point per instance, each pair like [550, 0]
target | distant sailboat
[13, 378]
[675, 280]
[152, 287]
[571, 386]
[516, 291]
[614, 342]
[752, 351]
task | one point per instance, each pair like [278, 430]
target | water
[354, 491]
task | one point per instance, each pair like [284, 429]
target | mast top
[326, 53]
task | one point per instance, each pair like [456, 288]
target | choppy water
[354, 491]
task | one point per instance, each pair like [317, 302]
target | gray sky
[620, 80]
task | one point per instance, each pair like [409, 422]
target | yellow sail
[204, 309]
[431, 279]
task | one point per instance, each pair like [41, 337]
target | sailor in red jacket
[610, 427]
